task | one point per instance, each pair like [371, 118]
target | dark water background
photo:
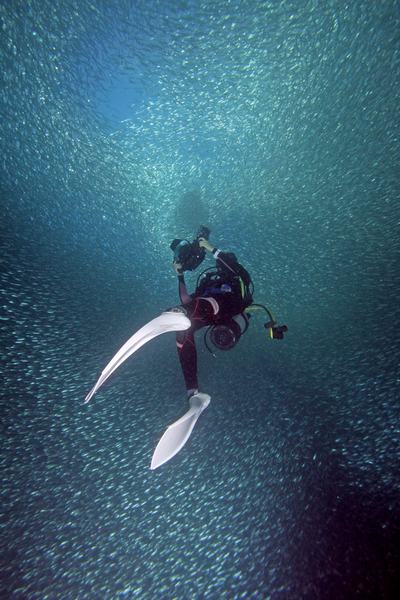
[124, 125]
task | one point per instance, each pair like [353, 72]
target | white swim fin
[177, 434]
[174, 320]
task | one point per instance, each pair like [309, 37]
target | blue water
[123, 126]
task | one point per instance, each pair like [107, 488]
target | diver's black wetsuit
[207, 306]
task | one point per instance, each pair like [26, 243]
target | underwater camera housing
[189, 254]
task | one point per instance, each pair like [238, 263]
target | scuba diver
[219, 301]
[222, 302]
